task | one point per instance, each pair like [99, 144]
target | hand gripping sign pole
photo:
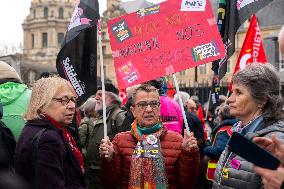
[102, 78]
[181, 104]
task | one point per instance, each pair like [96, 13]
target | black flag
[231, 14]
[77, 59]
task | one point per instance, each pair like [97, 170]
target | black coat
[55, 166]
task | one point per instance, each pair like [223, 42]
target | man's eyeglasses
[65, 100]
[143, 104]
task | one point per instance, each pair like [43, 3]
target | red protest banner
[252, 50]
[162, 39]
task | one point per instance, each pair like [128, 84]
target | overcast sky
[12, 15]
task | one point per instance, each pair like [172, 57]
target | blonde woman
[46, 153]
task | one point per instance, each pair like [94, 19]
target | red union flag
[123, 96]
[252, 50]
[163, 39]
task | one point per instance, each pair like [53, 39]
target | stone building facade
[202, 76]
[46, 24]
[44, 29]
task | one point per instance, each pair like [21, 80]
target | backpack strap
[113, 118]
[35, 143]
[87, 123]
[34, 148]
[9, 140]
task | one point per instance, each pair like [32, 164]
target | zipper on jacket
[221, 175]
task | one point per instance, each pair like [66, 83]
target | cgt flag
[252, 50]
[231, 14]
[77, 59]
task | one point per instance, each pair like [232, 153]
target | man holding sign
[114, 119]
[149, 156]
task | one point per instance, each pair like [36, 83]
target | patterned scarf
[252, 126]
[147, 165]
[69, 139]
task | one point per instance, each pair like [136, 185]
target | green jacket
[114, 118]
[85, 129]
[15, 98]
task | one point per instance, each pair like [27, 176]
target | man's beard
[99, 107]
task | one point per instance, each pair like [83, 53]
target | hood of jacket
[226, 122]
[269, 130]
[10, 91]
[171, 114]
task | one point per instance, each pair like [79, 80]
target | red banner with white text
[252, 50]
[163, 39]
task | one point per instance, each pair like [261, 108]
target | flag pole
[228, 93]
[207, 109]
[102, 78]
[181, 104]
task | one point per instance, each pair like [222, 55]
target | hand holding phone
[251, 152]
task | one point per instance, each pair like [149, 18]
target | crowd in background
[52, 143]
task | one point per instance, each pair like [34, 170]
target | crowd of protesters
[148, 146]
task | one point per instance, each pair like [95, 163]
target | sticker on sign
[193, 5]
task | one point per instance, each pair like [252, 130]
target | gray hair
[89, 107]
[146, 87]
[195, 99]
[130, 90]
[115, 97]
[224, 111]
[184, 97]
[264, 86]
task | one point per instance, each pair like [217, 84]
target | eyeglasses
[143, 104]
[65, 100]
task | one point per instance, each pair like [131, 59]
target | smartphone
[251, 152]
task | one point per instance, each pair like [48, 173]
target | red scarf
[69, 139]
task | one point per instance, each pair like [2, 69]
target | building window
[44, 40]
[61, 13]
[33, 40]
[31, 77]
[34, 13]
[202, 69]
[45, 12]
[182, 84]
[228, 66]
[60, 37]
[183, 72]
[189, 83]
[281, 65]
[104, 50]
[103, 35]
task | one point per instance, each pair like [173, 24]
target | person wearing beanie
[15, 97]
[114, 119]
[171, 113]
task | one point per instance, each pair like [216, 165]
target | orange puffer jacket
[181, 166]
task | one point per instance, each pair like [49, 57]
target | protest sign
[163, 39]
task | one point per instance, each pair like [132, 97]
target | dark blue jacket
[214, 151]
[55, 166]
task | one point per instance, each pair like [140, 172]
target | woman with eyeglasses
[46, 154]
[150, 155]
[256, 101]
